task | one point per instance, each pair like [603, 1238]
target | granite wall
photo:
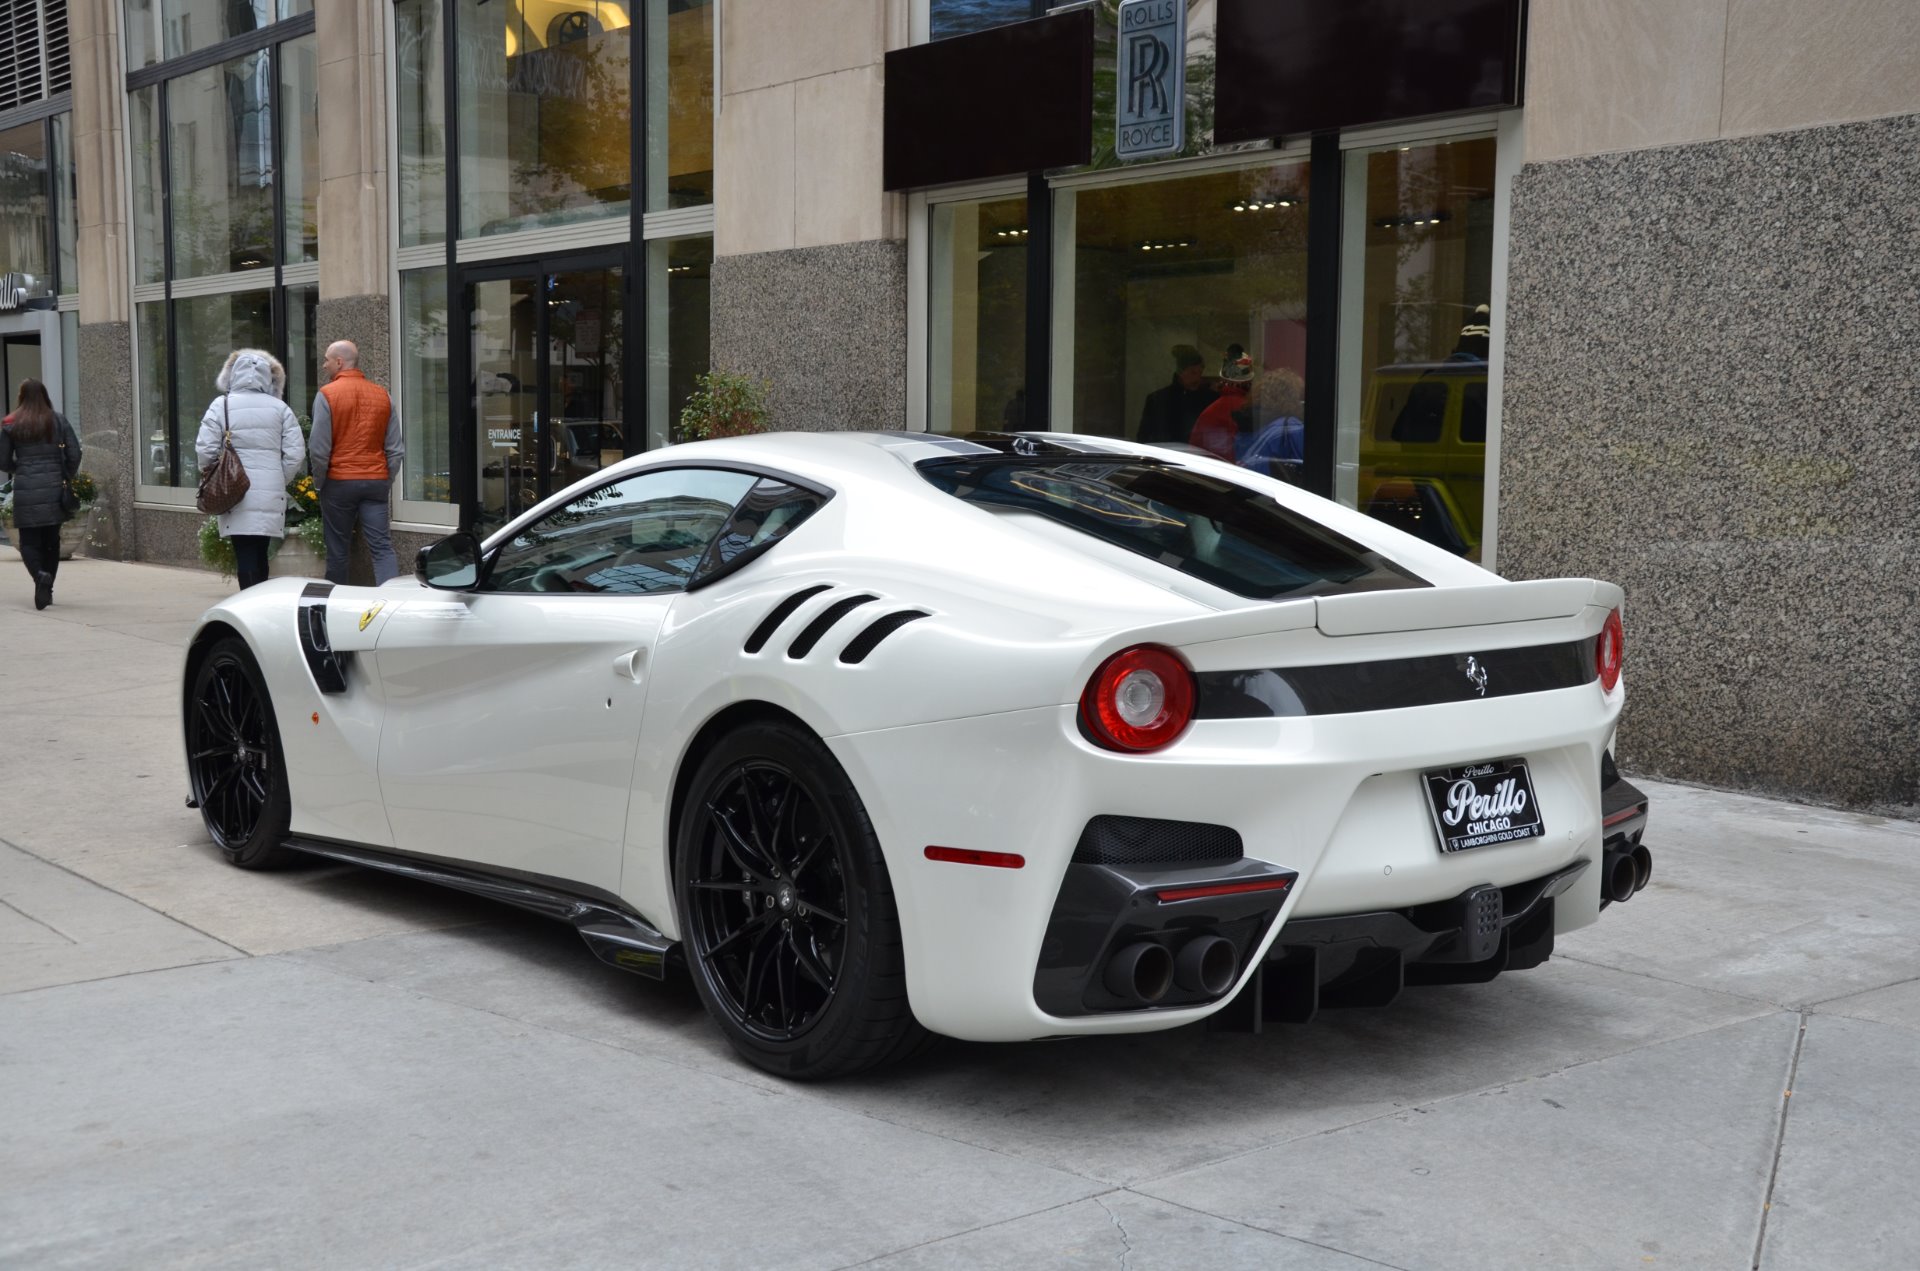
[826, 325]
[1713, 398]
[367, 321]
[109, 437]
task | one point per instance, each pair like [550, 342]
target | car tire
[235, 766]
[787, 914]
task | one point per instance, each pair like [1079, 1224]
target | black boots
[42, 589]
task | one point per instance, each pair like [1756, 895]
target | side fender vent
[820, 625]
[876, 631]
[1139, 840]
[781, 612]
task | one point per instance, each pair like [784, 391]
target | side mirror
[451, 564]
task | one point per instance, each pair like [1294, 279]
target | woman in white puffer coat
[266, 436]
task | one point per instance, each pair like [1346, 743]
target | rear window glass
[1208, 528]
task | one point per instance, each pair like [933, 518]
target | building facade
[1607, 287]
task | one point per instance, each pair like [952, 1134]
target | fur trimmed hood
[252, 371]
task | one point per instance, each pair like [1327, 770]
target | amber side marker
[967, 856]
[1223, 889]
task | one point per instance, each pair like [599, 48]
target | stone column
[110, 434]
[352, 39]
[809, 273]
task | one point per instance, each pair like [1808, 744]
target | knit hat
[1237, 370]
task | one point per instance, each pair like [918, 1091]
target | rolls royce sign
[1150, 84]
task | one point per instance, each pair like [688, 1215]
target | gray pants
[342, 503]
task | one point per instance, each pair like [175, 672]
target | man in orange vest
[353, 454]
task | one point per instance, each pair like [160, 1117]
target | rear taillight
[1607, 652]
[1140, 699]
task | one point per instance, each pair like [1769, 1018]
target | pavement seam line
[1780, 1136]
[122, 975]
[38, 922]
[1521, 1080]
[1279, 1235]
[1841, 997]
[1680, 984]
[985, 1226]
[135, 899]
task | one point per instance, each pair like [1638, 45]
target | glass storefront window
[947, 18]
[158, 30]
[24, 205]
[220, 156]
[303, 351]
[149, 185]
[155, 399]
[1190, 312]
[65, 196]
[424, 387]
[545, 114]
[977, 349]
[206, 329]
[420, 112]
[679, 104]
[300, 147]
[1412, 442]
[679, 329]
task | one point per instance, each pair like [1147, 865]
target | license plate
[1483, 804]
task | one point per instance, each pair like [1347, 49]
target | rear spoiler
[1433, 608]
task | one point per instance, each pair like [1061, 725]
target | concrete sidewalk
[205, 1067]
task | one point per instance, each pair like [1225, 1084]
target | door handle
[632, 665]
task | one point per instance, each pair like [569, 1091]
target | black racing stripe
[1352, 687]
[781, 612]
[828, 616]
[867, 641]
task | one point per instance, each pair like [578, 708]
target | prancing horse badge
[1476, 674]
[373, 611]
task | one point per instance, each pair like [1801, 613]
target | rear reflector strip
[1172, 894]
[1624, 814]
[967, 856]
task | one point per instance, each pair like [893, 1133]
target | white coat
[265, 434]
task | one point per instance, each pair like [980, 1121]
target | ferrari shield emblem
[370, 613]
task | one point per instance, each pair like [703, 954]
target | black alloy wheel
[234, 762]
[787, 911]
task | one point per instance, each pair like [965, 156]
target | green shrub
[214, 550]
[724, 404]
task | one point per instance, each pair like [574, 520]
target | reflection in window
[679, 323]
[545, 118]
[1189, 295]
[206, 329]
[220, 159]
[424, 388]
[642, 535]
[65, 199]
[1412, 444]
[303, 351]
[946, 18]
[154, 402]
[149, 184]
[977, 359]
[159, 30]
[679, 85]
[300, 111]
[420, 114]
[24, 204]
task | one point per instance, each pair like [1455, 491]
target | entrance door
[22, 355]
[549, 388]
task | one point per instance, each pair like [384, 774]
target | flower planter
[74, 534]
[294, 559]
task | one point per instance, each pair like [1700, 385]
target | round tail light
[1608, 651]
[1140, 699]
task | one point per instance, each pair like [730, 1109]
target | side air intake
[839, 609]
[1139, 840]
[879, 629]
[781, 612]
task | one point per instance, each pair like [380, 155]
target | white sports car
[890, 735]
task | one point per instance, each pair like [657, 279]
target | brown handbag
[226, 483]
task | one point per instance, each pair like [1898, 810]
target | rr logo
[1147, 89]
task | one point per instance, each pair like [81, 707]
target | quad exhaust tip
[1143, 972]
[1625, 871]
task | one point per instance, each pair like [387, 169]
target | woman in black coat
[38, 448]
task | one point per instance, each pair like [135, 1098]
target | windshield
[1207, 528]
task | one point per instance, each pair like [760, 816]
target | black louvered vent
[879, 629]
[1139, 840]
[828, 616]
[34, 60]
[781, 612]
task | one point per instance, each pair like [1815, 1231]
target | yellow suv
[1423, 451]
